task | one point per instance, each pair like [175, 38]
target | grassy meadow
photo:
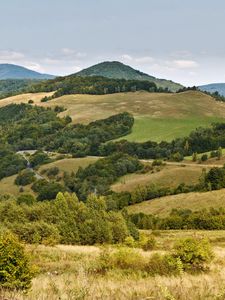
[69, 273]
[158, 116]
[164, 176]
[194, 201]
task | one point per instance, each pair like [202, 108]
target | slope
[214, 87]
[118, 70]
[158, 116]
[10, 71]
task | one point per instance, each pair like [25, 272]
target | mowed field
[194, 201]
[158, 116]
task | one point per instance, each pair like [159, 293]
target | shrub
[52, 171]
[37, 232]
[30, 101]
[15, 269]
[25, 177]
[130, 242]
[26, 199]
[193, 253]
[204, 157]
[164, 265]
[157, 162]
[149, 244]
[126, 258]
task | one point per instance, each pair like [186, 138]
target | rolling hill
[158, 116]
[194, 201]
[118, 70]
[214, 87]
[10, 71]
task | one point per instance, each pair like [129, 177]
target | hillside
[158, 116]
[10, 71]
[214, 87]
[194, 201]
[118, 70]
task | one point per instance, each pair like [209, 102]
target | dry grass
[70, 164]
[24, 98]
[7, 186]
[194, 201]
[158, 116]
[63, 275]
[169, 176]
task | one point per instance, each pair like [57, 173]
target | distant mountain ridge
[213, 87]
[11, 71]
[118, 70]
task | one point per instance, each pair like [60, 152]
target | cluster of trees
[27, 127]
[65, 220]
[98, 177]
[200, 140]
[23, 126]
[81, 140]
[212, 219]
[94, 85]
[11, 87]
[10, 162]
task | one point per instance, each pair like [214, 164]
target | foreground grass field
[158, 116]
[63, 274]
[194, 201]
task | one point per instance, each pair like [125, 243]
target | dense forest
[10, 87]
[94, 85]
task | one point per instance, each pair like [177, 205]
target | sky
[178, 40]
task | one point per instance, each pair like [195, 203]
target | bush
[26, 199]
[204, 157]
[149, 244]
[164, 265]
[15, 270]
[157, 162]
[130, 242]
[126, 258]
[25, 177]
[30, 101]
[38, 232]
[52, 171]
[193, 253]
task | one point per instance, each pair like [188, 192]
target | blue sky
[173, 39]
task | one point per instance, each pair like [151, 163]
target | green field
[147, 128]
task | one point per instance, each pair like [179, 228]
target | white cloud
[184, 64]
[137, 60]
[7, 55]
[72, 53]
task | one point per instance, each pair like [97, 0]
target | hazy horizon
[180, 41]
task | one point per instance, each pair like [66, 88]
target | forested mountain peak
[118, 70]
